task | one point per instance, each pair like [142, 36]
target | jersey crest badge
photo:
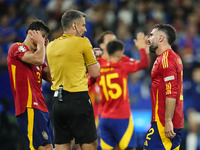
[44, 134]
[22, 48]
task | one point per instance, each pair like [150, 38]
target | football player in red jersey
[143, 63]
[102, 41]
[27, 68]
[166, 91]
[116, 125]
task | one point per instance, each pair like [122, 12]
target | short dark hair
[38, 25]
[100, 39]
[168, 30]
[114, 45]
[69, 17]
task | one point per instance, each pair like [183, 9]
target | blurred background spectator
[192, 109]
[9, 131]
[7, 33]
[125, 18]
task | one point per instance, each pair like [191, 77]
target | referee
[70, 57]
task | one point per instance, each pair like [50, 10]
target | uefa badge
[22, 48]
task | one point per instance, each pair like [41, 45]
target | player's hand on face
[169, 131]
[36, 37]
[141, 41]
[98, 52]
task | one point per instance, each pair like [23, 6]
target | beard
[153, 48]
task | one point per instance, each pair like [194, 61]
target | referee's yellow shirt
[68, 57]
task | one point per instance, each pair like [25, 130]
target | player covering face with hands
[27, 68]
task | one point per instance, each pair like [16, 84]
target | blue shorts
[117, 131]
[156, 139]
[36, 127]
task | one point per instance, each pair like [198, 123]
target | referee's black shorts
[73, 118]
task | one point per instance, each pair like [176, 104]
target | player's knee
[89, 146]
[45, 146]
[95, 144]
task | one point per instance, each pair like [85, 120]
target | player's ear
[161, 38]
[102, 46]
[29, 31]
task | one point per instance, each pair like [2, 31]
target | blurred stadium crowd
[125, 18]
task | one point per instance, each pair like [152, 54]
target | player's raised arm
[35, 57]
[142, 45]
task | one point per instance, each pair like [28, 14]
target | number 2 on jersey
[151, 131]
[105, 82]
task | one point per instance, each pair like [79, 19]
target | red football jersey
[103, 60]
[167, 81]
[113, 86]
[25, 80]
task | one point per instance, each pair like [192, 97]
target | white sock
[191, 141]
